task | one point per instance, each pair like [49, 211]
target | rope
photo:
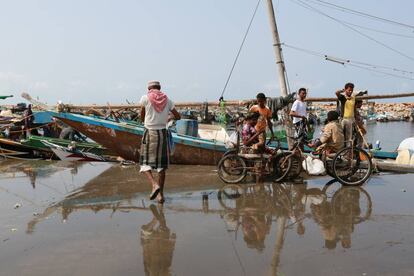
[307, 6]
[12, 124]
[359, 13]
[357, 64]
[240, 48]
[30, 129]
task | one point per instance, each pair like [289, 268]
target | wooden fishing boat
[36, 141]
[73, 154]
[124, 138]
[16, 150]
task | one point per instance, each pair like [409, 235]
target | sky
[105, 51]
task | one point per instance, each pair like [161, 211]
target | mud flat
[95, 219]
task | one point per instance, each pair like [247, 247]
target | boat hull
[15, 150]
[36, 142]
[125, 140]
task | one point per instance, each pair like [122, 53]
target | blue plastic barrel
[187, 127]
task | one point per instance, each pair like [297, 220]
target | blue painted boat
[124, 138]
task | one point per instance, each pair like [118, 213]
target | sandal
[154, 193]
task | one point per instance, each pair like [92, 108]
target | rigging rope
[357, 64]
[307, 6]
[359, 13]
[240, 48]
[378, 31]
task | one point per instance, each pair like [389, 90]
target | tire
[281, 166]
[347, 201]
[229, 195]
[331, 188]
[352, 166]
[232, 169]
[296, 167]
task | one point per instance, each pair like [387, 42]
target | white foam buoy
[403, 157]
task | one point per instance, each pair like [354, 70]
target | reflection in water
[335, 210]
[35, 169]
[158, 244]
[250, 210]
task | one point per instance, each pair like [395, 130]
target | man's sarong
[154, 149]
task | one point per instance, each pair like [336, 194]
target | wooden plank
[215, 103]
[368, 97]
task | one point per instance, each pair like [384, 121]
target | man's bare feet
[160, 198]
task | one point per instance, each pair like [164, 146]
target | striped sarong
[154, 149]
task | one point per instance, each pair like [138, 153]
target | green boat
[35, 141]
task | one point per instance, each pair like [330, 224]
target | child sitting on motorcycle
[250, 136]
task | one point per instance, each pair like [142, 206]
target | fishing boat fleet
[116, 136]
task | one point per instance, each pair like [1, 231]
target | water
[95, 219]
[390, 134]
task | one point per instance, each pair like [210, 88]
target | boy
[250, 136]
[264, 120]
[346, 107]
[249, 133]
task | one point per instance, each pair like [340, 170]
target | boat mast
[281, 69]
[278, 49]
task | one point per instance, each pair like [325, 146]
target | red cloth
[157, 99]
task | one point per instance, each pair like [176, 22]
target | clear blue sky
[100, 51]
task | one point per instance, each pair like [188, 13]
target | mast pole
[278, 49]
[281, 69]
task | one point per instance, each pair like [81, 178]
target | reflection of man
[322, 213]
[158, 244]
[336, 219]
[256, 225]
[347, 211]
[256, 222]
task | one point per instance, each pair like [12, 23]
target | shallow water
[95, 219]
[389, 134]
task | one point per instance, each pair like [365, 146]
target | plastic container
[187, 127]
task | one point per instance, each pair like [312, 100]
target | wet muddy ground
[95, 219]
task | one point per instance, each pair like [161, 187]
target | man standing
[264, 120]
[154, 153]
[28, 120]
[346, 107]
[298, 110]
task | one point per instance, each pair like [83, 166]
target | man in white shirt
[299, 114]
[298, 110]
[154, 152]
